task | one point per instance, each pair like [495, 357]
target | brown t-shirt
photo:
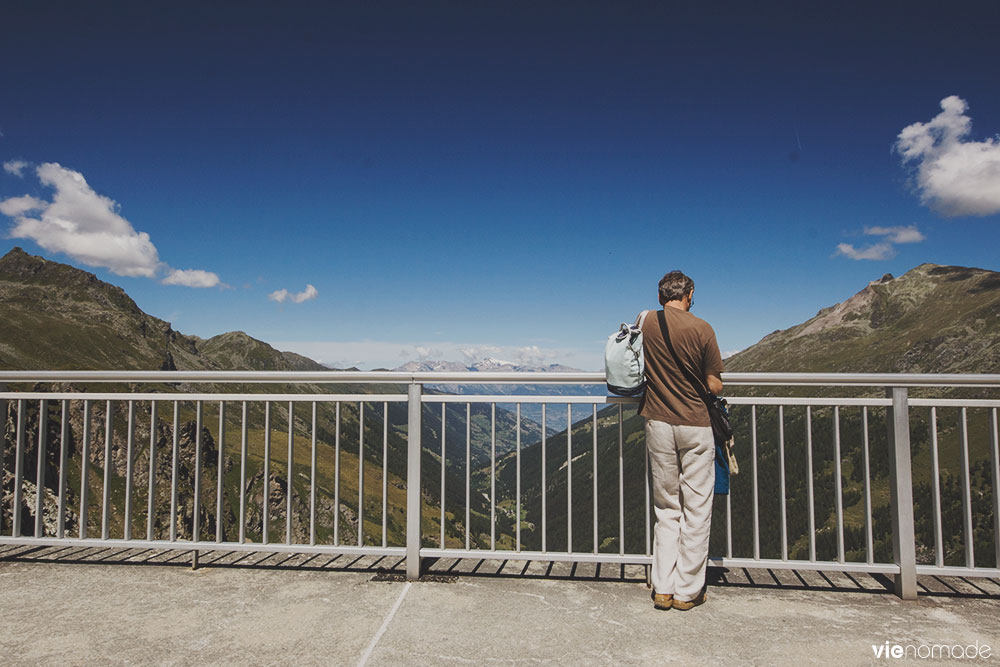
[670, 396]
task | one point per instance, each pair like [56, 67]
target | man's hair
[674, 286]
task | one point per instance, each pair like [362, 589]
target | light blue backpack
[624, 363]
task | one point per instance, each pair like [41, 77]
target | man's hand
[715, 384]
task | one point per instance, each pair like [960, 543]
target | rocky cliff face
[933, 319]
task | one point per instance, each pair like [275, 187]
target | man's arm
[715, 384]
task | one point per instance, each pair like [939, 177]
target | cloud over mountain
[192, 278]
[88, 227]
[955, 176]
[884, 249]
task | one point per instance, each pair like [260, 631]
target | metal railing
[491, 482]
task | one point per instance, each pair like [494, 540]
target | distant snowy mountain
[555, 420]
[488, 364]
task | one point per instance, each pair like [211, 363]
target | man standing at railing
[682, 361]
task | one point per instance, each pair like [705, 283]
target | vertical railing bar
[544, 484]
[414, 505]
[361, 472]
[783, 485]
[517, 503]
[219, 471]
[312, 481]
[970, 557]
[3, 451]
[174, 471]
[594, 479]
[936, 491]
[18, 470]
[129, 468]
[196, 523]
[290, 472]
[443, 458]
[809, 485]
[336, 477]
[648, 509]
[569, 478]
[493, 475]
[266, 500]
[729, 517]
[151, 495]
[995, 461]
[385, 473]
[838, 484]
[869, 542]
[756, 505]
[43, 445]
[63, 456]
[84, 469]
[468, 472]
[729, 523]
[244, 445]
[901, 493]
[106, 491]
[621, 484]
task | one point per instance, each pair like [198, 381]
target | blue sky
[459, 180]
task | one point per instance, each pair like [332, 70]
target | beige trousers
[682, 467]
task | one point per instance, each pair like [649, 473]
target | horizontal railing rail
[488, 377]
[828, 482]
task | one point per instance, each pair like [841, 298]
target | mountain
[555, 419]
[932, 319]
[487, 365]
[54, 317]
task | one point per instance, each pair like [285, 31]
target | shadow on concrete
[393, 569]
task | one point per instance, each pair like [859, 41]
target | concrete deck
[94, 606]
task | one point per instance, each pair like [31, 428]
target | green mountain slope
[933, 319]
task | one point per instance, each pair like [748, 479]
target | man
[679, 441]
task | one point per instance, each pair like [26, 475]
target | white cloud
[954, 176]
[473, 353]
[192, 278]
[87, 226]
[876, 251]
[15, 167]
[84, 225]
[897, 234]
[531, 355]
[16, 206]
[423, 352]
[283, 295]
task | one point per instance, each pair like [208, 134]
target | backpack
[624, 363]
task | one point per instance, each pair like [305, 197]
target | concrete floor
[94, 606]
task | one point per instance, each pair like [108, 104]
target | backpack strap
[642, 318]
[688, 374]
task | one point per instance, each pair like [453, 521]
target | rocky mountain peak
[933, 318]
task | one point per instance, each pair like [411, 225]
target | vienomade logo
[934, 651]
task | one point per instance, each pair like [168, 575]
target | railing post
[901, 494]
[413, 535]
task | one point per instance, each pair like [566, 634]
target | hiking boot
[662, 600]
[684, 605]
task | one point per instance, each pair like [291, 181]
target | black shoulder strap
[666, 338]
